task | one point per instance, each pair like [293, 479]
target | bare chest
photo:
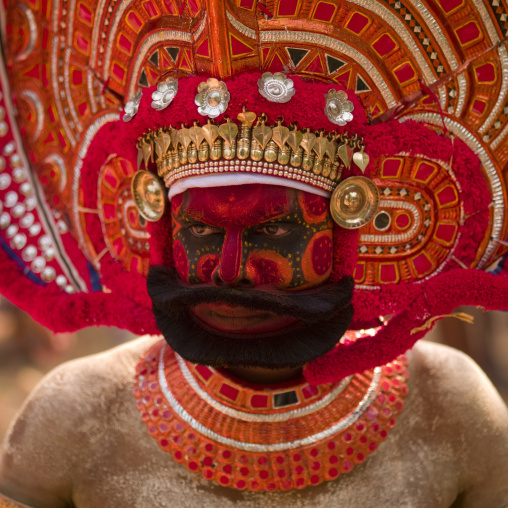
[410, 475]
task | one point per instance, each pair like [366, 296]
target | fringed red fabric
[436, 297]
[69, 313]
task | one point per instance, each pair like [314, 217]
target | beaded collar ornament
[253, 438]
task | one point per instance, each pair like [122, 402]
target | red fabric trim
[437, 296]
[62, 312]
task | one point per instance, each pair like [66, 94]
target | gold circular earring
[149, 195]
[354, 202]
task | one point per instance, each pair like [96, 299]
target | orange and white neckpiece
[282, 438]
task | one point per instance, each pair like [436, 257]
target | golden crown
[316, 158]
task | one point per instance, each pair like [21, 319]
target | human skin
[251, 236]
[79, 440]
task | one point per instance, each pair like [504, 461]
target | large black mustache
[323, 314]
[174, 298]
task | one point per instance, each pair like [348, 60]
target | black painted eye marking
[274, 230]
[204, 230]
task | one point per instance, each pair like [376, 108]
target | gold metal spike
[331, 149]
[196, 134]
[228, 131]
[162, 142]
[184, 138]
[247, 117]
[210, 132]
[262, 133]
[174, 137]
[354, 202]
[146, 147]
[295, 139]
[346, 154]
[149, 195]
[280, 134]
[308, 141]
[321, 145]
[361, 159]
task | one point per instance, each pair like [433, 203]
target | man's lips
[237, 319]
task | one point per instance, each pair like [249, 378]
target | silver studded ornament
[276, 87]
[165, 93]
[212, 98]
[131, 108]
[338, 108]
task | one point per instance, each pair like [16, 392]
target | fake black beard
[324, 315]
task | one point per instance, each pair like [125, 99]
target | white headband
[228, 179]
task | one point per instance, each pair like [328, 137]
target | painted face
[251, 236]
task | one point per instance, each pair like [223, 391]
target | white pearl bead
[49, 254]
[61, 280]
[27, 220]
[29, 253]
[11, 230]
[19, 175]
[38, 264]
[5, 220]
[9, 148]
[35, 229]
[48, 274]
[18, 211]
[5, 181]
[10, 199]
[30, 204]
[45, 242]
[4, 129]
[25, 189]
[19, 241]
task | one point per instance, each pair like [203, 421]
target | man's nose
[231, 270]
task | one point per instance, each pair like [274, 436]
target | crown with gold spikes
[250, 146]
[315, 158]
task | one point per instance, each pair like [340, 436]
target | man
[257, 395]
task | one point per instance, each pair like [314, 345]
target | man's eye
[204, 230]
[273, 230]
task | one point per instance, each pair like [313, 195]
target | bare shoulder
[455, 379]
[463, 412]
[59, 420]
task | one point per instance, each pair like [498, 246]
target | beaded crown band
[316, 158]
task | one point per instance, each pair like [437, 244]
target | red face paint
[252, 236]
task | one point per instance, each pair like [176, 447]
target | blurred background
[28, 351]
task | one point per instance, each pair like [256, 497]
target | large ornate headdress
[98, 95]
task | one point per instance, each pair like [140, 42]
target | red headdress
[74, 251]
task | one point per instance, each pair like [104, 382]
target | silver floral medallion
[165, 93]
[338, 108]
[276, 87]
[131, 108]
[212, 98]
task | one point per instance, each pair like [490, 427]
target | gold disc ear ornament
[354, 202]
[149, 195]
